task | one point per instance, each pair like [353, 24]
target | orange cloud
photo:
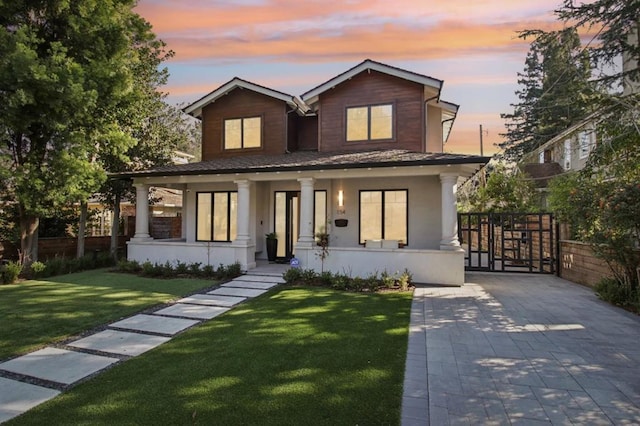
[391, 41]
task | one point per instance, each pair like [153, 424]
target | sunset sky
[292, 46]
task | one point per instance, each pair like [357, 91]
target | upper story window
[586, 143]
[368, 123]
[567, 154]
[242, 133]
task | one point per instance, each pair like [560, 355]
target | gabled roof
[195, 109]
[312, 95]
[591, 118]
[309, 160]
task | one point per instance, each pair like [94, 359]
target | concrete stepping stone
[237, 291]
[120, 342]
[17, 397]
[192, 311]
[205, 299]
[155, 324]
[248, 284]
[58, 365]
[260, 279]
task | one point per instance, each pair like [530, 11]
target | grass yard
[295, 356]
[35, 313]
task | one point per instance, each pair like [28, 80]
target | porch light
[340, 198]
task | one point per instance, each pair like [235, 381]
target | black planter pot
[272, 249]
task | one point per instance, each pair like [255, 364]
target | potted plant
[272, 246]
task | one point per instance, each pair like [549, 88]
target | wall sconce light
[340, 209]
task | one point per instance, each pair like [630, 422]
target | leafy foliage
[505, 190]
[74, 77]
[602, 201]
[338, 281]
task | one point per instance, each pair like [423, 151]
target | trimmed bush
[10, 272]
[338, 281]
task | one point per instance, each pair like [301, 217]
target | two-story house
[359, 157]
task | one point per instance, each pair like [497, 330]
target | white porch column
[244, 212]
[449, 212]
[306, 238]
[142, 212]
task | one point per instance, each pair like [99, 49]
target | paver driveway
[520, 349]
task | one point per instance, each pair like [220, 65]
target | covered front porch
[416, 230]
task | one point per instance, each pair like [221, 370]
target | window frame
[382, 191]
[368, 107]
[242, 142]
[212, 207]
[316, 226]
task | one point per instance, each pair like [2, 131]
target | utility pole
[481, 150]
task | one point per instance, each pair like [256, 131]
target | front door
[287, 221]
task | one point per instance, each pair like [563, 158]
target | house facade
[359, 157]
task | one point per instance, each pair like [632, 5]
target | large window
[383, 215]
[243, 133]
[216, 216]
[320, 212]
[373, 122]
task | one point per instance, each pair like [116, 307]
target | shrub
[182, 268]
[292, 275]
[125, 265]
[10, 272]
[209, 271]
[37, 269]
[234, 270]
[194, 269]
[620, 294]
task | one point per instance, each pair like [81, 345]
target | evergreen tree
[555, 91]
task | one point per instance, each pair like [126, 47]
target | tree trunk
[28, 237]
[82, 225]
[115, 228]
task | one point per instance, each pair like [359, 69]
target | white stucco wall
[427, 266]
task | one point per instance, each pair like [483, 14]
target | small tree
[505, 190]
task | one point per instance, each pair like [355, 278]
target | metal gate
[509, 242]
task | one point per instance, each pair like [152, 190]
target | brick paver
[520, 349]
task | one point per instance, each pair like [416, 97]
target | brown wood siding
[373, 88]
[307, 133]
[241, 103]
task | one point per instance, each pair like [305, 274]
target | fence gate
[509, 242]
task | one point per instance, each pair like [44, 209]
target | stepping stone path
[59, 368]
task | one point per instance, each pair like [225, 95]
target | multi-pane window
[243, 133]
[384, 215]
[216, 216]
[373, 122]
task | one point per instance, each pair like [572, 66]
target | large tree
[68, 97]
[554, 90]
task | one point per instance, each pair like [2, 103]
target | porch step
[260, 279]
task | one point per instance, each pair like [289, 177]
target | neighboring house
[568, 151]
[359, 157]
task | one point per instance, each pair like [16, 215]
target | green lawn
[35, 313]
[295, 356]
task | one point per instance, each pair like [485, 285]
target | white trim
[195, 109]
[312, 95]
